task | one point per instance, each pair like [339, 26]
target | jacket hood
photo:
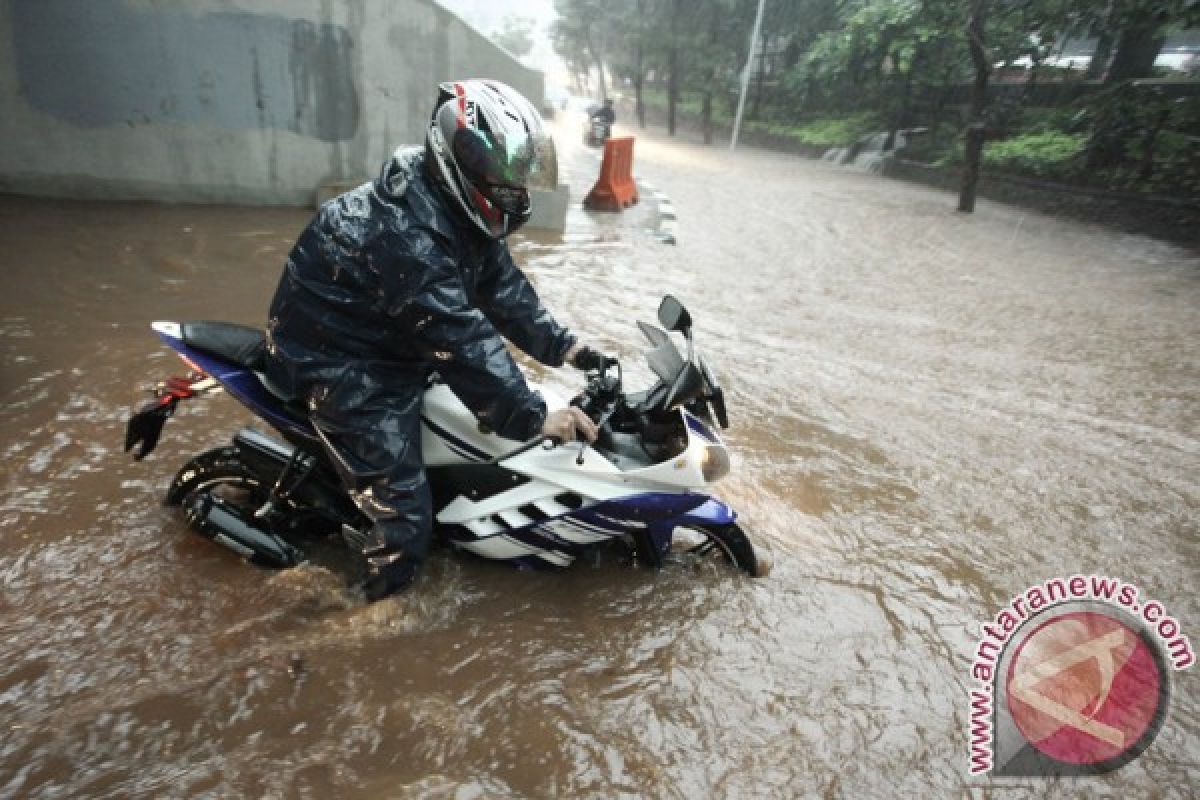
[404, 181]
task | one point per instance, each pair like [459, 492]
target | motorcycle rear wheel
[222, 470]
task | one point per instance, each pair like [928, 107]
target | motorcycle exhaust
[228, 525]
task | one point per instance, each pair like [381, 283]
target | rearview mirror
[673, 316]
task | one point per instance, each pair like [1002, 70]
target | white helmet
[485, 140]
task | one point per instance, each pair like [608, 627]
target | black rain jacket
[384, 286]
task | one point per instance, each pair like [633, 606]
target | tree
[976, 128]
[673, 64]
[1139, 29]
[516, 36]
[582, 33]
[1141, 38]
[1130, 33]
[632, 62]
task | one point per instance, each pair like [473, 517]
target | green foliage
[836, 131]
[868, 34]
[837, 69]
[1046, 120]
[689, 103]
[1176, 165]
[583, 31]
[1047, 154]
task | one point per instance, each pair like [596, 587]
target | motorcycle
[641, 487]
[596, 131]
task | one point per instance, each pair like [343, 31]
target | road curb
[666, 213]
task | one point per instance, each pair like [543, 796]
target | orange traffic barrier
[614, 189]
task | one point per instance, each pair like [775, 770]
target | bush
[1045, 120]
[1175, 168]
[1048, 154]
[835, 131]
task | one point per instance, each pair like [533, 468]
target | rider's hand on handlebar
[564, 423]
[585, 358]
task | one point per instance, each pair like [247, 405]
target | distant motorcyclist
[409, 274]
[599, 124]
[604, 113]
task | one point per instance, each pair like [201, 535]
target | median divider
[615, 189]
[666, 213]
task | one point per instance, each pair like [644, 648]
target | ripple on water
[929, 413]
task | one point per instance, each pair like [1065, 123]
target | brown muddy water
[930, 413]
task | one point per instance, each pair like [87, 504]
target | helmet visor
[505, 159]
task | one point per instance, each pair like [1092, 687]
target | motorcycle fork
[651, 544]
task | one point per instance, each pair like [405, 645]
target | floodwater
[930, 412]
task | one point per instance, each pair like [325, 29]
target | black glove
[587, 359]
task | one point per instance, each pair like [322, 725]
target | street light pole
[737, 122]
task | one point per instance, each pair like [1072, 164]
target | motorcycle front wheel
[727, 544]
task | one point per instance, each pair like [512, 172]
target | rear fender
[145, 426]
[244, 384]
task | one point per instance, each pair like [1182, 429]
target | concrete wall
[240, 101]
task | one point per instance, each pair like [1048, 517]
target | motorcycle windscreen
[664, 360]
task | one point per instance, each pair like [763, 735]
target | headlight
[714, 464]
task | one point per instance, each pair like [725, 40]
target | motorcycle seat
[241, 346]
[237, 344]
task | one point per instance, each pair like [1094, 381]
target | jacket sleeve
[511, 303]
[435, 319]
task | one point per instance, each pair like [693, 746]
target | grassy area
[831, 131]
[835, 131]
[1048, 143]
[1048, 154]
[689, 103]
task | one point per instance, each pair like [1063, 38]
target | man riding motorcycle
[407, 275]
[604, 113]
[599, 124]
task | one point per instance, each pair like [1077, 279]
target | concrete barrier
[224, 101]
[615, 188]
[549, 209]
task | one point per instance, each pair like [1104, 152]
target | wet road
[931, 412]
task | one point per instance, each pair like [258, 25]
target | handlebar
[536, 441]
[600, 389]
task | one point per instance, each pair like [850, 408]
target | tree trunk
[673, 69]
[597, 56]
[706, 113]
[1137, 48]
[639, 106]
[672, 88]
[762, 72]
[976, 128]
[1104, 44]
[901, 117]
[710, 77]
[639, 70]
